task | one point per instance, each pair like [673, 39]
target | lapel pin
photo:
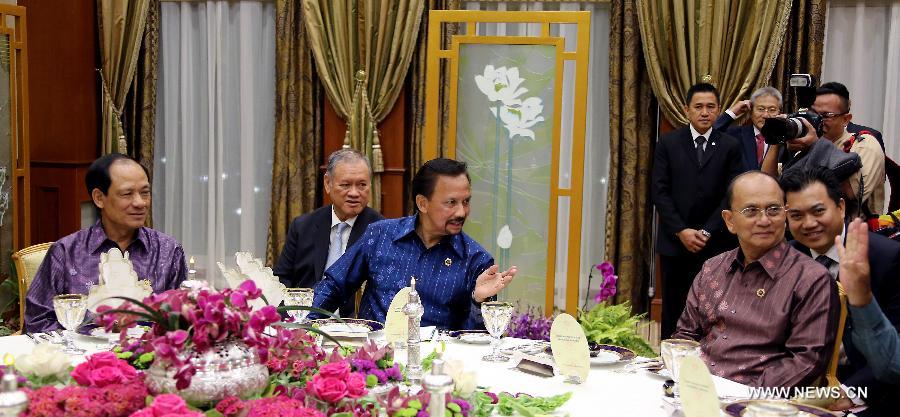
[761, 292]
[448, 262]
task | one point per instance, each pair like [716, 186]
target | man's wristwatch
[705, 233]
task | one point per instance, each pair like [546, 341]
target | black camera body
[777, 131]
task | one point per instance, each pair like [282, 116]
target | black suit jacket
[745, 135]
[884, 264]
[302, 260]
[690, 193]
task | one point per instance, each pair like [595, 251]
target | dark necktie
[700, 141]
[760, 148]
[825, 261]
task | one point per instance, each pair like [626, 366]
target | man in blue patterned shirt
[454, 274]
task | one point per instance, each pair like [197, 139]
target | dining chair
[27, 261]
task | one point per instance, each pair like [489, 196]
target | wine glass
[70, 310]
[673, 351]
[497, 315]
[298, 297]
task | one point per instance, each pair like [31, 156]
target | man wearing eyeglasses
[317, 240]
[764, 103]
[764, 313]
[815, 211]
[833, 104]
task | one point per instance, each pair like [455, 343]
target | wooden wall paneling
[393, 146]
[64, 111]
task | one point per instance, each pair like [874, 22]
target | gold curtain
[735, 42]
[628, 213]
[298, 126]
[378, 37]
[417, 85]
[804, 42]
[139, 112]
[121, 30]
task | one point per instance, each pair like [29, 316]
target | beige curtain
[417, 85]
[378, 37]
[631, 140]
[735, 43]
[298, 126]
[121, 30]
[804, 43]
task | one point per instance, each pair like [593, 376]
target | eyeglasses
[753, 212]
[767, 110]
[830, 115]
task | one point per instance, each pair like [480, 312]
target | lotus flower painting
[505, 134]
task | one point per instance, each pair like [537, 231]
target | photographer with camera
[800, 133]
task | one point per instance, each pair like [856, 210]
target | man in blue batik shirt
[454, 274]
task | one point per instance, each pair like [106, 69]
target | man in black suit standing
[692, 168]
[764, 103]
[815, 212]
[316, 240]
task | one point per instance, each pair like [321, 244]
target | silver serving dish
[230, 368]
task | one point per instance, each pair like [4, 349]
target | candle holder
[413, 310]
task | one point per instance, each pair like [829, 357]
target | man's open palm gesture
[491, 281]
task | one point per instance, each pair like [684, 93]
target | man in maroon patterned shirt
[765, 314]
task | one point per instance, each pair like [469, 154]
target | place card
[696, 388]
[570, 348]
[396, 325]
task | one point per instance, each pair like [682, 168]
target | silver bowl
[229, 368]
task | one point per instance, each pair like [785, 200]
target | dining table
[609, 390]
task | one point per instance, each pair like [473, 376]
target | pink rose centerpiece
[335, 389]
[215, 333]
[107, 387]
[167, 405]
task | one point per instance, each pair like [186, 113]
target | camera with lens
[777, 130]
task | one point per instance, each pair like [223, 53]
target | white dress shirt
[334, 222]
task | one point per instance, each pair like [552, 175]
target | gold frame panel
[580, 57]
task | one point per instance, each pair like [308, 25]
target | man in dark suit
[316, 240]
[692, 168]
[816, 217]
[764, 103]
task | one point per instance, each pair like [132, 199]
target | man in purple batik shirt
[120, 190]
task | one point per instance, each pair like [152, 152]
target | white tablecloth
[605, 392]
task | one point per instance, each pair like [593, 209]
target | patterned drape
[628, 210]
[417, 85]
[804, 42]
[121, 26]
[378, 37]
[139, 112]
[298, 125]
[734, 42]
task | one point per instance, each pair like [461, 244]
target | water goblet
[298, 297]
[70, 310]
[673, 351]
[497, 315]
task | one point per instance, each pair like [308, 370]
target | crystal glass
[298, 297]
[70, 310]
[497, 315]
[673, 350]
